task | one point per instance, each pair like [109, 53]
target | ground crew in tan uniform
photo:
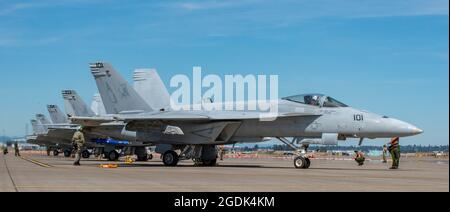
[221, 151]
[394, 149]
[78, 144]
[16, 149]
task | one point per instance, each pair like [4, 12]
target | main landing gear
[301, 161]
[202, 155]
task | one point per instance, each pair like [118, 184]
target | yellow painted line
[36, 162]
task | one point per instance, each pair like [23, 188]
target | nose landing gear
[301, 161]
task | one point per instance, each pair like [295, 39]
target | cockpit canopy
[315, 100]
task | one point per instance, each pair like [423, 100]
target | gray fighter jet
[43, 135]
[194, 134]
[107, 139]
[101, 140]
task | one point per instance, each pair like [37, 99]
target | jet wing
[91, 121]
[64, 134]
[208, 116]
[166, 116]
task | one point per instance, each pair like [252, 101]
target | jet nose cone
[416, 130]
[406, 129]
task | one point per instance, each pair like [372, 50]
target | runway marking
[36, 162]
[9, 173]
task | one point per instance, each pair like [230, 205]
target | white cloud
[9, 9]
[323, 8]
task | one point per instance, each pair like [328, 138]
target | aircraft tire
[67, 153]
[308, 163]
[55, 152]
[142, 158]
[300, 162]
[209, 162]
[85, 154]
[150, 156]
[113, 155]
[170, 158]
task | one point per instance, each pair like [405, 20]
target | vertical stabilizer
[97, 105]
[117, 95]
[75, 106]
[42, 122]
[151, 88]
[56, 115]
[34, 126]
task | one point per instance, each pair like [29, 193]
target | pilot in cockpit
[314, 100]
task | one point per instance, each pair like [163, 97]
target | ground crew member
[5, 150]
[359, 158]
[78, 144]
[221, 152]
[394, 149]
[384, 153]
[16, 149]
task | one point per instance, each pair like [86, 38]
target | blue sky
[389, 57]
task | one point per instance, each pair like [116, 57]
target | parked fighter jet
[194, 134]
[57, 136]
[41, 136]
[103, 143]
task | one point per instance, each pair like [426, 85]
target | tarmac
[34, 172]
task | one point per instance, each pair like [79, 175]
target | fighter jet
[107, 139]
[41, 128]
[194, 134]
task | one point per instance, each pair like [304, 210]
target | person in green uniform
[384, 153]
[16, 149]
[394, 150]
[78, 145]
[5, 150]
[359, 158]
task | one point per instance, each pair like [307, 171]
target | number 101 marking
[358, 117]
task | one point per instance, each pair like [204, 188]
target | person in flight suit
[78, 145]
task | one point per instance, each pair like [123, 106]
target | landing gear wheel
[85, 154]
[55, 152]
[142, 158]
[150, 157]
[301, 163]
[170, 158]
[113, 155]
[209, 162]
[308, 163]
[67, 153]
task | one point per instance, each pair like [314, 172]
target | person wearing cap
[394, 149]
[359, 158]
[78, 144]
[384, 153]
